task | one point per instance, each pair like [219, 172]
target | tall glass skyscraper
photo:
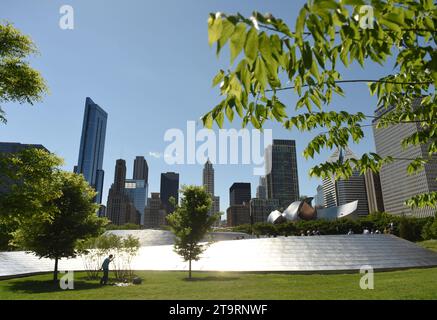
[92, 146]
[282, 180]
[169, 188]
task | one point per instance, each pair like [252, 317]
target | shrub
[95, 250]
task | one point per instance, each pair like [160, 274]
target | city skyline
[131, 95]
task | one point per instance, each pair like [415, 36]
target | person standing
[105, 268]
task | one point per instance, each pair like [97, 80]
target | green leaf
[207, 120]
[261, 72]
[237, 40]
[219, 119]
[265, 46]
[214, 31]
[251, 46]
[227, 31]
[307, 56]
[255, 122]
[218, 78]
[229, 113]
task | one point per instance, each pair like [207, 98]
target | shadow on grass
[206, 279]
[47, 286]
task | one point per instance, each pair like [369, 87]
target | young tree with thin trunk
[190, 222]
[53, 209]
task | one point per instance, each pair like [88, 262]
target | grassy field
[429, 244]
[407, 284]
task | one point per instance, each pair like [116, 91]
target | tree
[74, 220]
[327, 33]
[190, 223]
[29, 184]
[19, 82]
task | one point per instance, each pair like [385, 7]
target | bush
[413, 229]
[429, 231]
[95, 250]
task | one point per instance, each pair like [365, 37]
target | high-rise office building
[136, 190]
[120, 208]
[239, 193]
[261, 190]
[282, 176]
[342, 191]
[169, 188]
[396, 184]
[141, 169]
[238, 214]
[154, 213]
[374, 192]
[92, 146]
[261, 208]
[208, 177]
[318, 199]
[208, 184]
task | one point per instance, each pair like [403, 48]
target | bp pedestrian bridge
[316, 254]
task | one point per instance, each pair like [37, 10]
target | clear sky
[148, 64]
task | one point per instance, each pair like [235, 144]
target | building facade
[154, 213]
[239, 193]
[238, 214]
[169, 188]
[318, 199]
[120, 208]
[261, 190]
[281, 172]
[141, 169]
[374, 192]
[396, 184]
[261, 208]
[136, 190]
[340, 192]
[208, 184]
[92, 147]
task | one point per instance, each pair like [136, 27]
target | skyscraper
[92, 146]
[169, 188]
[239, 193]
[396, 184]
[208, 177]
[282, 179]
[120, 208]
[318, 199]
[374, 192]
[261, 190]
[208, 184]
[154, 214]
[261, 208]
[141, 169]
[137, 190]
[238, 214]
[340, 192]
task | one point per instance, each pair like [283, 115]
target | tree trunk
[189, 269]
[55, 273]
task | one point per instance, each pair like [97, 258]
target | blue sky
[148, 64]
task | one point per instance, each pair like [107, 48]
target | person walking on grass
[105, 268]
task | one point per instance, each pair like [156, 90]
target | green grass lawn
[429, 244]
[407, 284]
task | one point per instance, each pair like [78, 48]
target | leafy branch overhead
[268, 57]
[19, 82]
